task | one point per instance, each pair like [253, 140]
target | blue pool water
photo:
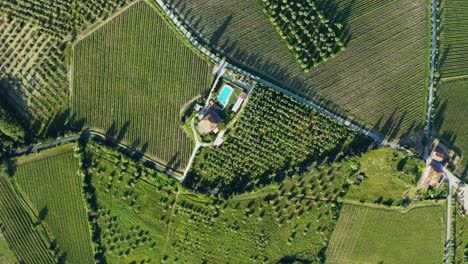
[224, 95]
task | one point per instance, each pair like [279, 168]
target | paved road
[125, 149]
[431, 78]
[198, 145]
[453, 182]
[449, 224]
[218, 60]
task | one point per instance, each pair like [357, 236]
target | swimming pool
[224, 95]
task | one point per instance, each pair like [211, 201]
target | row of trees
[310, 35]
[12, 133]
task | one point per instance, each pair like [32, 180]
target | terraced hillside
[454, 48]
[51, 184]
[132, 77]
[379, 78]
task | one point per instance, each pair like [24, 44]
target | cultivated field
[379, 78]
[451, 119]
[275, 133]
[454, 48]
[50, 183]
[147, 217]
[6, 256]
[25, 238]
[370, 235]
[131, 78]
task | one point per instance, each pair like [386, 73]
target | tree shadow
[173, 163]
[62, 258]
[331, 10]
[11, 167]
[220, 31]
[43, 213]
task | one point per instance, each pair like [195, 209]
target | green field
[132, 77]
[379, 78]
[451, 119]
[275, 133]
[378, 235]
[390, 177]
[6, 256]
[460, 237]
[145, 216]
[454, 48]
[25, 238]
[50, 183]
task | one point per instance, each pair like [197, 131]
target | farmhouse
[209, 123]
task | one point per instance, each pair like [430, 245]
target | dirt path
[101, 23]
[166, 240]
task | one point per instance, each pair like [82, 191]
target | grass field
[451, 120]
[131, 78]
[371, 235]
[25, 238]
[147, 218]
[50, 184]
[379, 78]
[454, 48]
[391, 176]
[460, 238]
[6, 256]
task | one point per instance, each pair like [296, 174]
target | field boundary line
[98, 136]
[59, 150]
[400, 210]
[170, 221]
[70, 76]
[93, 28]
[454, 78]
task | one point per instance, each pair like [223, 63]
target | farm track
[99, 24]
[98, 136]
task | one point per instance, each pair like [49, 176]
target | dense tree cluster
[276, 133]
[310, 35]
[11, 131]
